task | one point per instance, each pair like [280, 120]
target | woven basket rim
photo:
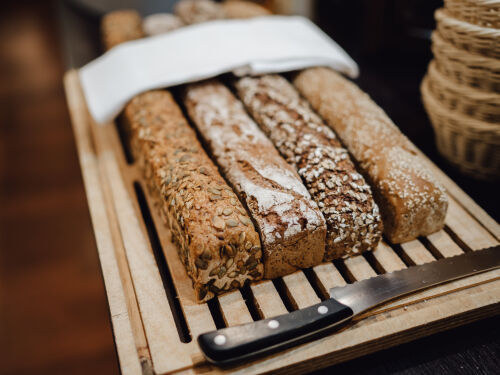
[465, 56]
[468, 125]
[453, 132]
[477, 2]
[469, 92]
[482, 13]
[442, 16]
[464, 67]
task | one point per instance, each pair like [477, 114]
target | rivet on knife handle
[245, 341]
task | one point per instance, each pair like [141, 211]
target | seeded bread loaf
[216, 239]
[352, 217]
[120, 26]
[411, 201]
[204, 215]
[291, 227]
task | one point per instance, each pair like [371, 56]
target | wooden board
[154, 315]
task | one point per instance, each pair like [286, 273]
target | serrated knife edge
[368, 293]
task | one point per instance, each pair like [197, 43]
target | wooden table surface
[53, 311]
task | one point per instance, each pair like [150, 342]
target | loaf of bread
[291, 227]
[352, 217]
[161, 23]
[120, 26]
[197, 11]
[216, 240]
[243, 9]
[411, 201]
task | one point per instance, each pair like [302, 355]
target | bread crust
[411, 200]
[291, 227]
[243, 9]
[120, 26]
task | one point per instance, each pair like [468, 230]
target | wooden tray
[154, 316]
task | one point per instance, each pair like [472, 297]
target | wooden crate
[154, 316]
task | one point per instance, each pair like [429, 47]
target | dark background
[53, 311]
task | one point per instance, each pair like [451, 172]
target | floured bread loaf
[292, 228]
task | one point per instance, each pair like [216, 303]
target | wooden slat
[468, 229]
[122, 324]
[444, 244]
[234, 309]
[416, 252]
[133, 308]
[329, 277]
[387, 259]
[359, 268]
[465, 201]
[301, 291]
[268, 300]
[198, 317]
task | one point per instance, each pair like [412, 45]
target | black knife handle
[228, 345]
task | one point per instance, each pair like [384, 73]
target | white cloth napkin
[254, 46]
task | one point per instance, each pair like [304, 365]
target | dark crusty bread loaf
[216, 239]
[352, 217]
[120, 26]
[292, 228]
[411, 201]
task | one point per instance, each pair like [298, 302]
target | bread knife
[242, 342]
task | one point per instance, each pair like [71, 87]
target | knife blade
[246, 341]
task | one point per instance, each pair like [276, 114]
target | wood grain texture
[301, 292]
[267, 299]
[99, 210]
[234, 309]
[328, 277]
[416, 253]
[387, 259]
[418, 315]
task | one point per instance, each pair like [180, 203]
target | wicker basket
[466, 68]
[485, 13]
[481, 105]
[467, 36]
[471, 145]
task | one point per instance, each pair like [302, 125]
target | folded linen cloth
[269, 44]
